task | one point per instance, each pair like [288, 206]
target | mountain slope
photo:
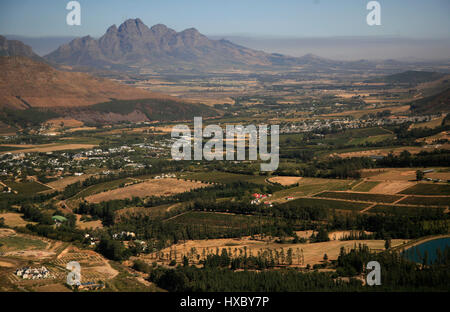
[439, 103]
[133, 43]
[25, 83]
[410, 77]
[32, 92]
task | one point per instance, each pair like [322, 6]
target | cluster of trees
[191, 279]
[218, 274]
[63, 233]
[422, 159]
[398, 273]
[34, 214]
[9, 200]
[113, 249]
[404, 131]
[156, 168]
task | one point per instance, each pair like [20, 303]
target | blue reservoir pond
[417, 253]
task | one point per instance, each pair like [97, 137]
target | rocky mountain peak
[133, 27]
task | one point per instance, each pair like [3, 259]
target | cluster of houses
[124, 235]
[34, 274]
[261, 199]
[91, 239]
[349, 123]
[164, 176]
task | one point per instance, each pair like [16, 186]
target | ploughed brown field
[155, 187]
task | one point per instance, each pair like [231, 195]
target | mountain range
[135, 44]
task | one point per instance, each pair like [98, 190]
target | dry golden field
[155, 187]
[312, 252]
[285, 181]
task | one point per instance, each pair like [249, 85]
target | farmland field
[325, 203]
[310, 186]
[403, 174]
[88, 224]
[26, 188]
[377, 198]
[426, 201]
[391, 187]
[101, 187]
[285, 181]
[44, 148]
[151, 212]
[60, 184]
[13, 219]
[215, 220]
[223, 177]
[17, 242]
[159, 187]
[428, 189]
[312, 252]
[365, 186]
[404, 210]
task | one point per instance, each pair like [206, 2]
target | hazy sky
[276, 18]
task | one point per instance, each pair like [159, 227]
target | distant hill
[17, 48]
[42, 45]
[142, 110]
[410, 77]
[439, 103]
[134, 44]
